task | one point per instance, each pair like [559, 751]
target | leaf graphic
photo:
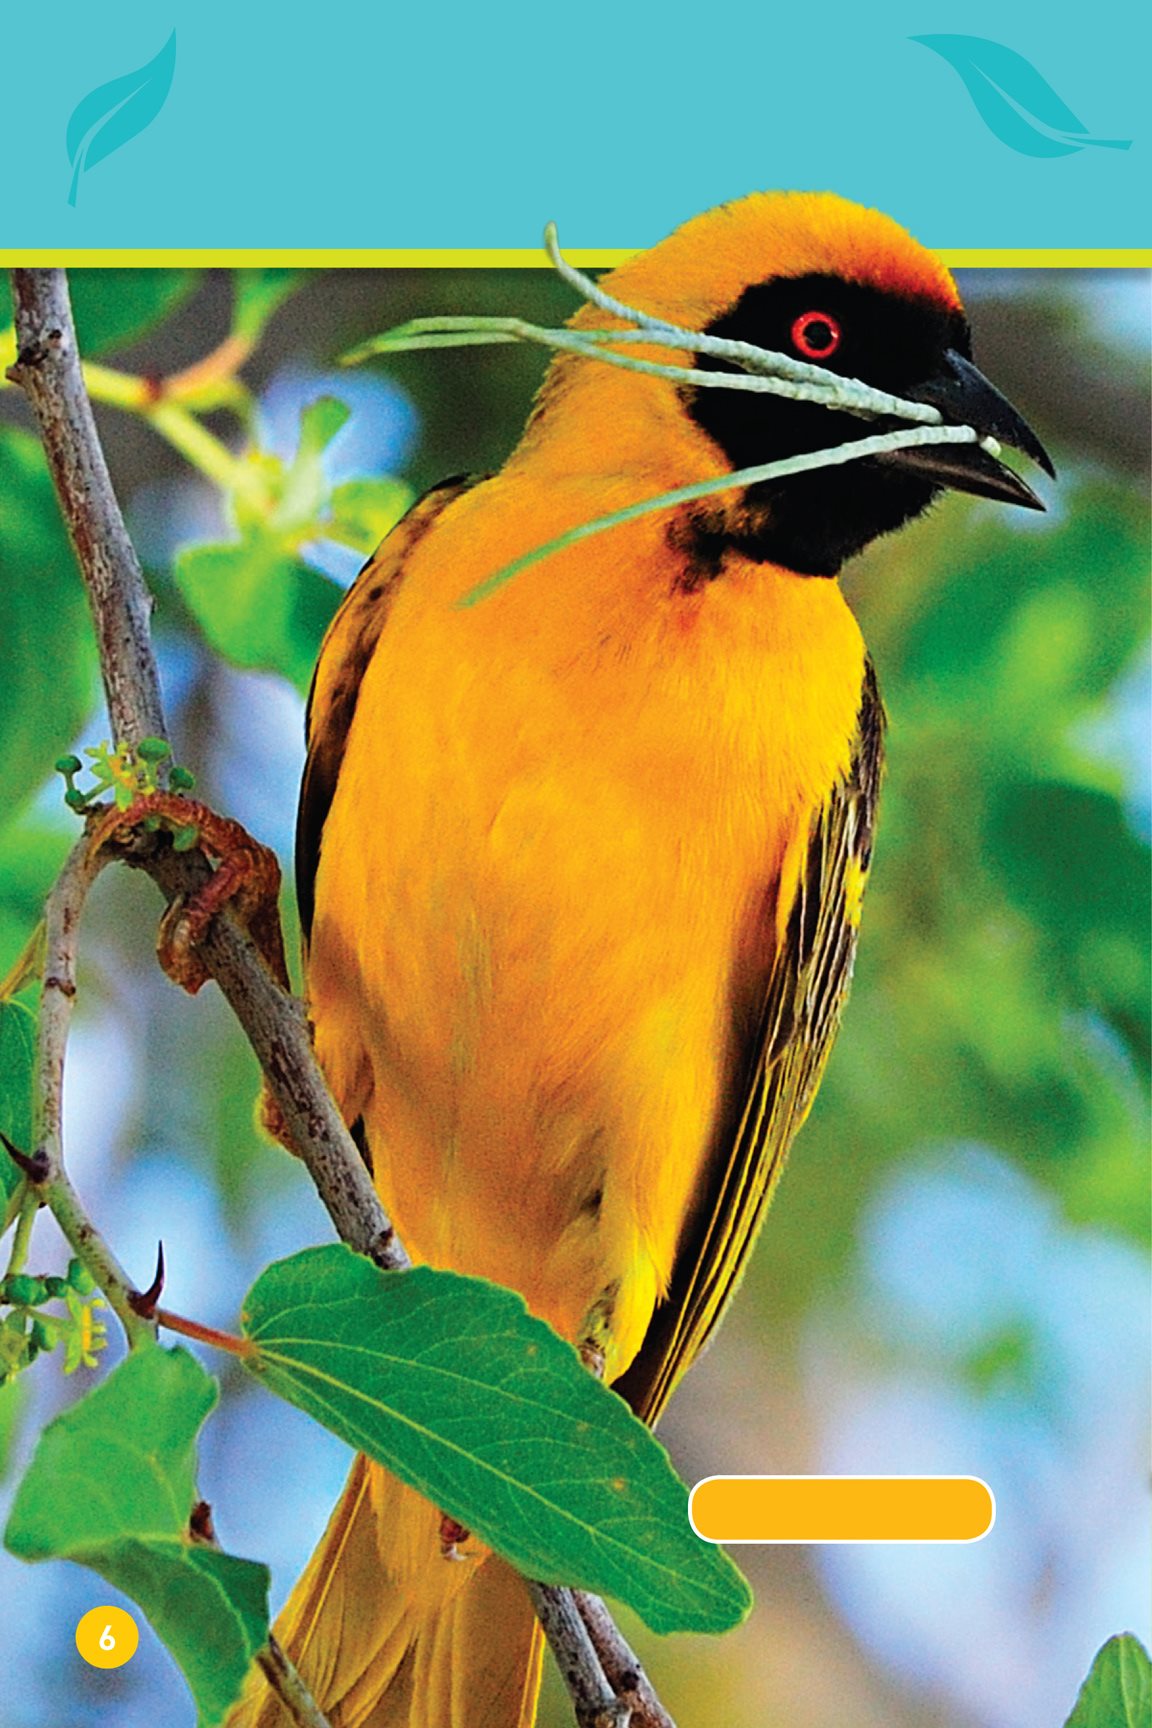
[1006, 89]
[115, 113]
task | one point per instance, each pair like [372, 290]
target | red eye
[816, 335]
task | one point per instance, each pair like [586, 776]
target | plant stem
[21, 1236]
[203, 1334]
[58, 994]
[285, 1681]
[207, 453]
[621, 1665]
[593, 1697]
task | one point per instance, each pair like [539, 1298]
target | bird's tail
[386, 1633]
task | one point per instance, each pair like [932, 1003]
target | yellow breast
[550, 864]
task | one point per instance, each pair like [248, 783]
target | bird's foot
[246, 879]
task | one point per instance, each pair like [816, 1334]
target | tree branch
[48, 369]
[594, 1698]
[620, 1663]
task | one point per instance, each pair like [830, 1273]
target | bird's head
[823, 280]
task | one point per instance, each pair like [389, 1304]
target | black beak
[966, 398]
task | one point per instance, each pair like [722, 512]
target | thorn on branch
[37, 1167]
[144, 1302]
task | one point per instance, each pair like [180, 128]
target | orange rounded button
[107, 1637]
[842, 1509]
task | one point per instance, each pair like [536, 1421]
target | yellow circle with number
[107, 1637]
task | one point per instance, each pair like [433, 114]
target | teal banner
[178, 125]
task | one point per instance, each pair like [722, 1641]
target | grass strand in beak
[857, 448]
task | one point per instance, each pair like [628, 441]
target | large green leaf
[458, 1390]
[112, 1485]
[49, 682]
[1118, 1690]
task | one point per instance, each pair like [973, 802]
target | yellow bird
[580, 866]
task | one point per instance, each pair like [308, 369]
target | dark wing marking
[805, 996]
[344, 655]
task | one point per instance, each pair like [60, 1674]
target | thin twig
[592, 1695]
[58, 994]
[285, 1681]
[621, 1664]
[48, 369]
[272, 1659]
[28, 1207]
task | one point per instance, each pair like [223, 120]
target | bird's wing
[803, 1000]
[347, 648]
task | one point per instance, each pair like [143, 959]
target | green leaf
[302, 502]
[112, 1485]
[31, 853]
[363, 511]
[256, 601]
[319, 423]
[49, 681]
[257, 604]
[258, 294]
[459, 1391]
[1118, 1690]
[17, 1055]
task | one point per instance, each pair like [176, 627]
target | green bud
[24, 1291]
[80, 1278]
[75, 799]
[57, 1288]
[183, 839]
[68, 764]
[42, 1336]
[182, 779]
[153, 749]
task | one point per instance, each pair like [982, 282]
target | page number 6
[107, 1637]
